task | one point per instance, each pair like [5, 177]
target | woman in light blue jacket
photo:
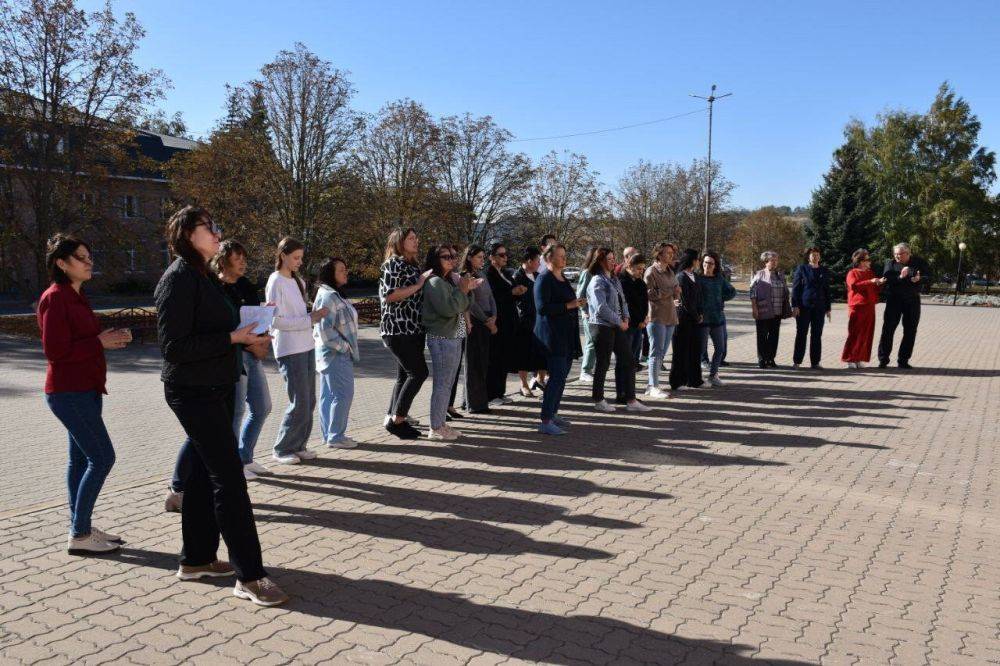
[608, 322]
[336, 337]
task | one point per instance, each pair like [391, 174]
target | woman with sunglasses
[502, 353]
[199, 340]
[444, 303]
[75, 378]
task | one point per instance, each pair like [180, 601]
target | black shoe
[816, 366]
[724, 364]
[883, 364]
[763, 365]
[536, 385]
[453, 415]
[402, 430]
[772, 364]
[484, 410]
[904, 365]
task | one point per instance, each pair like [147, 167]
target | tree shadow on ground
[456, 535]
[523, 634]
[491, 509]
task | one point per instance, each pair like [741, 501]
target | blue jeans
[589, 360]
[336, 393]
[558, 370]
[718, 335]
[91, 454]
[252, 392]
[299, 371]
[446, 356]
[659, 341]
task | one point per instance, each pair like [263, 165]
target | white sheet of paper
[261, 315]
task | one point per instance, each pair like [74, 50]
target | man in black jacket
[905, 275]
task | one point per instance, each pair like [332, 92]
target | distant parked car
[572, 273]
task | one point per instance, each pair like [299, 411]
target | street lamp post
[958, 276]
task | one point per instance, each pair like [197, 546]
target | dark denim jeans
[718, 335]
[91, 454]
[552, 395]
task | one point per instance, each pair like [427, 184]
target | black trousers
[612, 340]
[896, 309]
[685, 364]
[809, 318]
[411, 370]
[215, 492]
[767, 338]
[496, 373]
[477, 362]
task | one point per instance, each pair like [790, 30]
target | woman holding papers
[294, 350]
[199, 339]
[252, 395]
[336, 339]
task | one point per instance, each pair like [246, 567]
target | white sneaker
[603, 406]
[290, 459]
[441, 435]
[585, 378]
[860, 364]
[656, 393]
[636, 406]
[714, 380]
[90, 544]
[257, 468]
[306, 454]
[342, 443]
[101, 534]
[705, 366]
[497, 402]
[248, 473]
[454, 433]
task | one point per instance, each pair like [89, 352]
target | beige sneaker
[217, 569]
[90, 544]
[110, 538]
[173, 502]
[262, 592]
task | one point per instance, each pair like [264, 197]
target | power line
[611, 129]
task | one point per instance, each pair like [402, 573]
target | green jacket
[715, 291]
[443, 303]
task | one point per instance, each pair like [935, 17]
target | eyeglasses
[446, 257]
[83, 260]
[212, 227]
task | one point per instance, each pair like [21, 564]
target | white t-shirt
[292, 327]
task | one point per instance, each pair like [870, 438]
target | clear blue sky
[799, 70]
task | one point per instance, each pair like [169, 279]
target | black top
[903, 288]
[690, 307]
[242, 292]
[525, 303]
[194, 318]
[557, 328]
[637, 298]
[506, 311]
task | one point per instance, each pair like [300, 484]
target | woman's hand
[519, 290]
[246, 336]
[795, 312]
[623, 325]
[115, 338]
[426, 275]
[317, 315]
[259, 349]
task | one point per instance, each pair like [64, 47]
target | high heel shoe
[526, 392]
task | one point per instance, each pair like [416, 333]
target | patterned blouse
[402, 317]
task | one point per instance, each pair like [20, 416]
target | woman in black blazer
[199, 340]
[685, 368]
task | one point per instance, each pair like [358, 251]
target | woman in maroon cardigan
[75, 385]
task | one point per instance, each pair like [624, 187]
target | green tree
[844, 210]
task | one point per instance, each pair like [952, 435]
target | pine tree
[844, 211]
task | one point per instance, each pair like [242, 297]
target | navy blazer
[811, 288]
[557, 327]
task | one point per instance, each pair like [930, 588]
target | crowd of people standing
[464, 307]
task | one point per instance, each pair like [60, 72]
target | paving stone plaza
[789, 517]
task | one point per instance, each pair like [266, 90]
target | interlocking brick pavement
[791, 517]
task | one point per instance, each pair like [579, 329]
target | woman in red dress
[862, 295]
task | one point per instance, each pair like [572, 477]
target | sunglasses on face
[446, 257]
[212, 227]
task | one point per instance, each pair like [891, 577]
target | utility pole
[708, 186]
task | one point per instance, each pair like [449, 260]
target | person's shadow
[450, 617]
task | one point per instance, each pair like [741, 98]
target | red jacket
[69, 340]
[861, 294]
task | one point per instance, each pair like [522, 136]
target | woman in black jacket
[528, 355]
[502, 353]
[685, 368]
[199, 338]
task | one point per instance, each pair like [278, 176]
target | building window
[130, 206]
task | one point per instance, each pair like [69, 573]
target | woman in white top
[294, 350]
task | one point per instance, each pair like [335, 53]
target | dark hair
[805, 255]
[547, 237]
[551, 249]
[180, 226]
[495, 247]
[286, 246]
[529, 254]
[328, 274]
[61, 246]
[470, 252]
[433, 259]
[688, 257]
[598, 262]
[227, 250]
[858, 256]
[635, 260]
[715, 258]
[394, 245]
